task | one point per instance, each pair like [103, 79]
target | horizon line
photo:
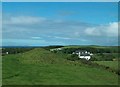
[59, 1]
[60, 45]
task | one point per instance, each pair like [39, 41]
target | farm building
[56, 49]
[83, 54]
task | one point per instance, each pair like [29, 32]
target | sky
[0, 16]
[60, 0]
[59, 23]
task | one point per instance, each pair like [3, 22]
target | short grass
[111, 64]
[0, 70]
[41, 67]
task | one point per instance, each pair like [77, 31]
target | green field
[111, 64]
[0, 70]
[41, 67]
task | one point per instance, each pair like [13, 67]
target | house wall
[56, 49]
[85, 57]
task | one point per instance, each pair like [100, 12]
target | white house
[56, 49]
[7, 53]
[83, 54]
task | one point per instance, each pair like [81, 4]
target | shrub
[73, 57]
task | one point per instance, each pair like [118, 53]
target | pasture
[111, 64]
[41, 67]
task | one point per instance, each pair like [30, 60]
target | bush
[93, 59]
[73, 57]
[86, 61]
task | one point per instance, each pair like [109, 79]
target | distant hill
[41, 55]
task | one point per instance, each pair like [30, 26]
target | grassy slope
[111, 64]
[39, 66]
[0, 70]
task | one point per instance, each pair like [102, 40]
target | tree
[73, 57]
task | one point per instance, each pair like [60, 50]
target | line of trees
[91, 49]
[15, 50]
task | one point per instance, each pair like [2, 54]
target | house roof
[84, 54]
[80, 51]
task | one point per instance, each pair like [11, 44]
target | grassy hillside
[111, 64]
[39, 55]
[101, 53]
[41, 67]
[0, 70]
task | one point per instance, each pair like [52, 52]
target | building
[56, 49]
[4, 53]
[83, 54]
[7, 53]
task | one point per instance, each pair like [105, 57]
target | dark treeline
[15, 50]
[52, 47]
[92, 50]
[99, 53]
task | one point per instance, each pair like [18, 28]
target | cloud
[36, 37]
[44, 31]
[0, 25]
[27, 25]
[112, 29]
[23, 20]
[21, 42]
[65, 38]
[92, 31]
[109, 30]
[29, 42]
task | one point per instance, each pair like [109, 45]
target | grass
[41, 67]
[111, 64]
[0, 70]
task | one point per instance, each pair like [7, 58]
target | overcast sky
[60, 23]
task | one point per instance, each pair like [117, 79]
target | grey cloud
[109, 30]
[60, 30]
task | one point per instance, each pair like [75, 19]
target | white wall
[85, 57]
